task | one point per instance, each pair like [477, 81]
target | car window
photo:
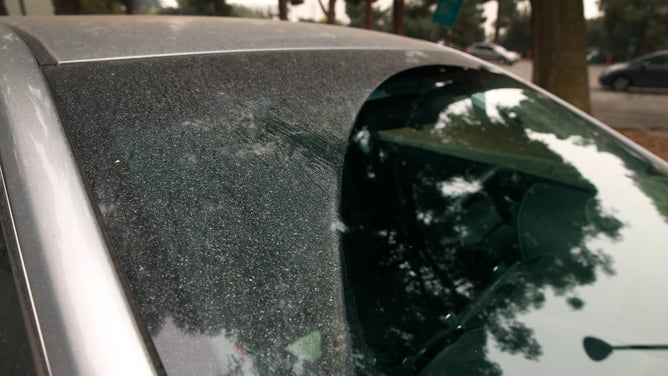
[658, 60]
[489, 231]
[15, 355]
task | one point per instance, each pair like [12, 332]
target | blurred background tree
[191, 7]
[517, 36]
[66, 7]
[246, 12]
[554, 34]
[469, 26]
[468, 29]
[505, 15]
[635, 27]
[356, 12]
[93, 6]
[596, 34]
[205, 7]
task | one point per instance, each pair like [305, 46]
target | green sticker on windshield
[307, 347]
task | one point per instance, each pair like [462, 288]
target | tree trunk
[497, 23]
[331, 12]
[559, 44]
[3, 9]
[368, 15]
[398, 17]
[283, 10]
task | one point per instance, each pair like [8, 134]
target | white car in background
[493, 52]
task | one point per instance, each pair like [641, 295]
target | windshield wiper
[597, 349]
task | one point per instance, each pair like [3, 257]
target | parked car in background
[206, 196]
[646, 71]
[596, 55]
[493, 52]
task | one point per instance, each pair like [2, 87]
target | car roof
[66, 39]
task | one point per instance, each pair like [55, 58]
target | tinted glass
[658, 60]
[490, 231]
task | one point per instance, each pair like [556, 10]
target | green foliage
[355, 11]
[245, 12]
[232, 10]
[322, 20]
[505, 15]
[596, 35]
[518, 33]
[205, 7]
[635, 27]
[109, 7]
[423, 28]
[101, 7]
[418, 23]
[468, 28]
[381, 19]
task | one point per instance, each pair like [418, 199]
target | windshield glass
[466, 225]
[217, 188]
[490, 231]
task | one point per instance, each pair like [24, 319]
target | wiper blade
[597, 349]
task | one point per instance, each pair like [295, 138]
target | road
[635, 109]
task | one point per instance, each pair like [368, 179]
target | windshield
[466, 223]
[490, 231]
[216, 187]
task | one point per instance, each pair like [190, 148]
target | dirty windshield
[219, 203]
[466, 225]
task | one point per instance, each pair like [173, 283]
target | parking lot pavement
[644, 109]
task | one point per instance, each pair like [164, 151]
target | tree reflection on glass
[458, 221]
